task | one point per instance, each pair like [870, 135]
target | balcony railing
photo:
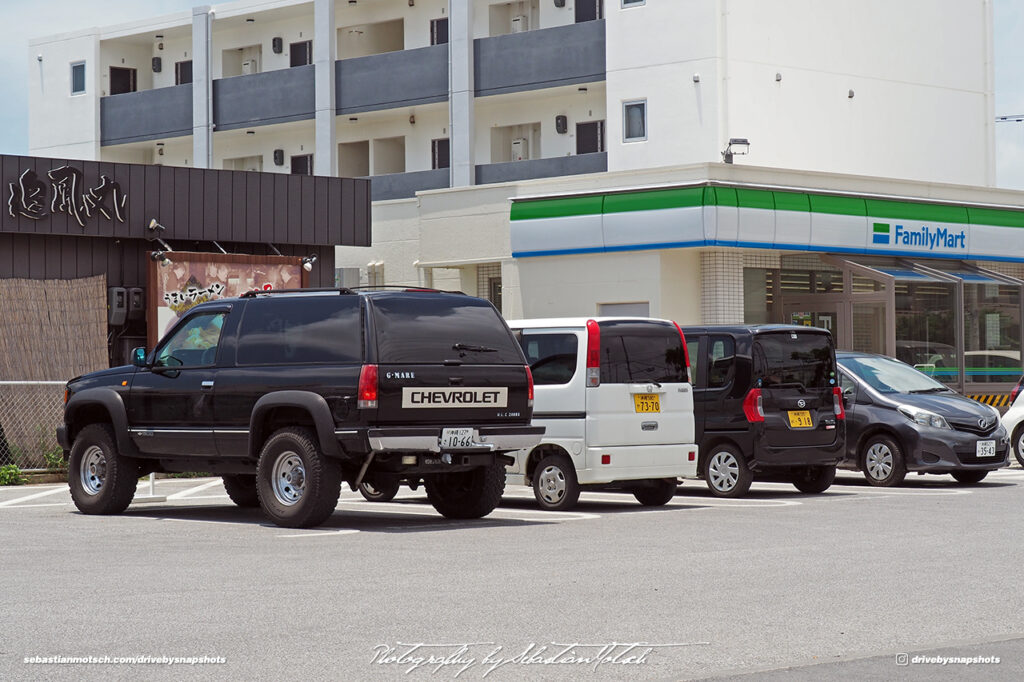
[264, 98]
[546, 58]
[405, 185]
[542, 168]
[394, 79]
[146, 115]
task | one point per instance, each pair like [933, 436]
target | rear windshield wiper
[473, 349]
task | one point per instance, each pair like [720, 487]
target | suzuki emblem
[801, 403]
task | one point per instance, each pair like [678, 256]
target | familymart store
[937, 284]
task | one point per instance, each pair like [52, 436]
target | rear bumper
[428, 439]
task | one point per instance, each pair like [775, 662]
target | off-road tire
[241, 489]
[466, 494]
[102, 481]
[298, 486]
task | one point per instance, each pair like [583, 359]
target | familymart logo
[925, 236]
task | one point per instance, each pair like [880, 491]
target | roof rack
[259, 292]
[347, 290]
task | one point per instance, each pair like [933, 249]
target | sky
[24, 19]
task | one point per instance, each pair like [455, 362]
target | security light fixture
[161, 257]
[154, 227]
[307, 262]
[737, 145]
[696, 78]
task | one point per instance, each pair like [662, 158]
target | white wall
[499, 111]
[416, 19]
[431, 123]
[60, 124]
[175, 50]
[542, 14]
[921, 72]
[653, 52]
[293, 30]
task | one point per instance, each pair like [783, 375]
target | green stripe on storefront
[557, 208]
[707, 195]
[654, 200]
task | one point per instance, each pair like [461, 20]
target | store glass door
[816, 313]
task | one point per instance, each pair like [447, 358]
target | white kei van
[615, 396]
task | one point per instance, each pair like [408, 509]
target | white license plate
[456, 438]
[986, 448]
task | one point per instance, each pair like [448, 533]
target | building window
[439, 31]
[302, 165]
[301, 53]
[122, 80]
[78, 78]
[183, 72]
[633, 3]
[488, 283]
[441, 153]
[634, 121]
[590, 137]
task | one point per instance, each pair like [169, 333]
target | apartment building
[704, 160]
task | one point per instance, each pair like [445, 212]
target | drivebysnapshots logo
[920, 236]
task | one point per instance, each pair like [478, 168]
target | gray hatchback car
[900, 420]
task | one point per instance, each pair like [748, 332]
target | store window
[991, 332]
[926, 326]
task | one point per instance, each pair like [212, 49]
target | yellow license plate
[646, 402]
[800, 419]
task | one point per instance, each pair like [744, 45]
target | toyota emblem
[801, 403]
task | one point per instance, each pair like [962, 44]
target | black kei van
[767, 404]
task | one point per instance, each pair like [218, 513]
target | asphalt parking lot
[777, 584]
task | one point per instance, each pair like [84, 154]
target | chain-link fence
[30, 412]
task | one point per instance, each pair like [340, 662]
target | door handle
[206, 385]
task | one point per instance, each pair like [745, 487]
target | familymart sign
[748, 217]
[924, 236]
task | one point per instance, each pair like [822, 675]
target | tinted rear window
[291, 330]
[432, 328]
[552, 357]
[635, 352]
[794, 359]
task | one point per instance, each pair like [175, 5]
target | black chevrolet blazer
[286, 394]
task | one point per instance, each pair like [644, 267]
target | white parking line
[421, 509]
[199, 488]
[320, 534]
[51, 491]
[47, 504]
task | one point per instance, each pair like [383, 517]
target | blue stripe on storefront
[763, 245]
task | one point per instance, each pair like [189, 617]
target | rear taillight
[753, 410]
[1016, 390]
[529, 390]
[367, 388]
[593, 353]
[686, 351]
[837, 402]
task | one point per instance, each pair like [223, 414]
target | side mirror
[139, 356]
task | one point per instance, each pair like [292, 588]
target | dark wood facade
[65, 219]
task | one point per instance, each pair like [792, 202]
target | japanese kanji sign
[67, 193]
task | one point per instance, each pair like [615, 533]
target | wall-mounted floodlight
[154, 229]
[737, 145]
[307, 262]
[161, 257]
